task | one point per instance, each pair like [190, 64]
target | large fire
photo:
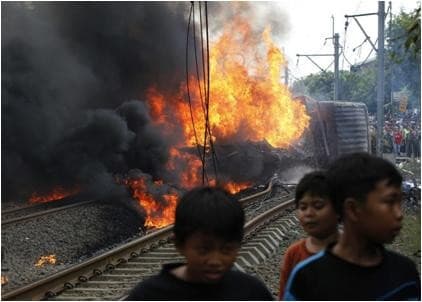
[56, 194]
[247, 102]
[48, 259]
[247, 99]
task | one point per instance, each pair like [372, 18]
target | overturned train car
[337, 128]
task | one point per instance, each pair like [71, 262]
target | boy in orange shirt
[318, 218]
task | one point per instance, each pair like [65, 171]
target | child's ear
[351, 209]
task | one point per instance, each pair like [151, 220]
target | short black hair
[210, 210]
[355, 175]
[313, 183]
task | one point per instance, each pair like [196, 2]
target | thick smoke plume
[73, 78]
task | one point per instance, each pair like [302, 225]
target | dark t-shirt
[325, 276]
[235, 285]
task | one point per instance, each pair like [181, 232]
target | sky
[310, 23]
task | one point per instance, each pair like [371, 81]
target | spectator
[412, 141]
[318, 218]
[398, 137]
[367, 193]
[208, 231]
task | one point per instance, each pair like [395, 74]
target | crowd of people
[331, 263]
[401, 134]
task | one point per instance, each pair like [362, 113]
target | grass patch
[408, 242]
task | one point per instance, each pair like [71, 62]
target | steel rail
[62, 280]
[13, 210]
[42, 213]
[253, 196]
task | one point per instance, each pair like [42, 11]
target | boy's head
[315, 210]
[366, 191]
[208, 231]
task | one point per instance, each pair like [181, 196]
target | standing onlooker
[412, 141]
[208, 231]
[398, 137]
[318, 218]
[406, 132]
[367, 193]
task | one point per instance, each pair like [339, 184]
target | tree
[354, 86]
[404, 55]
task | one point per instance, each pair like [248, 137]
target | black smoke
[73, 77]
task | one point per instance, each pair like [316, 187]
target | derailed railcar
[337, 127]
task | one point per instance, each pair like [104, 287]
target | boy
[208, 231]
[318, 218]
[366, 191]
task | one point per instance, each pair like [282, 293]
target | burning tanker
[127, 119]
[248, 104]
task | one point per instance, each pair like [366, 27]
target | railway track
[111, 275]
[33, 211]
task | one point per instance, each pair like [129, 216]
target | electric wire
[345, 58]
[202, 156]
[206, 91]
[213, 153]
[364, 61]
[344, 43]
[187, 81]
[196, 57]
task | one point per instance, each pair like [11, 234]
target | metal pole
[336, 72]
[380, 80]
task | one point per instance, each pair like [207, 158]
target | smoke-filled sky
[74, 78]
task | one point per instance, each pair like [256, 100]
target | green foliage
[413, 40]
[404, 54]
[320, 86]
[354, 86]
[406, 35]
[359, 87]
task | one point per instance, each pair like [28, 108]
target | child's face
[379, 217]
[208, 257]
[317, 216]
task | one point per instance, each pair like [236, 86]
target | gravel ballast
[72, 236]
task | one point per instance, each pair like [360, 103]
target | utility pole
[380, 69]
[390, 63]
[380, 88]
[336, 71]
[335, 37]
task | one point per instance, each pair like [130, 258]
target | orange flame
[56, 194]
[187, 166]
[49, 259]
[158, 214]
[236, 187]
[4, 280]
[247, 100]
